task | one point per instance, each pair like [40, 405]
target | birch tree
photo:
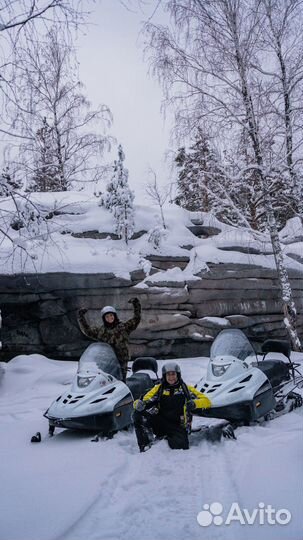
[22, 20]
[50, 91]
[206, 66]
[282, 41]
[157, 195]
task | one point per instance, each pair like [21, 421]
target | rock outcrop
[203, 276]
[180, 318]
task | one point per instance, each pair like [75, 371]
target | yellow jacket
[180, 393]
[201, 400]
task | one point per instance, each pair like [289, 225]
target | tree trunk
[289, 308]
[290, 313]
[63, 182]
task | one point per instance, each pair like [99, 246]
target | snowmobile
[244, 389]
[98, 400]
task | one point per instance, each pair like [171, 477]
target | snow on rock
[219, 271]
[75, 219]
[196, 336]
[211, 322]
[292, 232]
[295, 251]
[172, 274]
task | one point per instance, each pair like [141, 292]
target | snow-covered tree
[24, 223]
[119, 199]
[60, 129]
[22, 22]
[282, 40]
[207, 62]
[199, 176]
[156, 236]
[7, 182]
[198, 171]
[205, 184]
[46, 175]
[157, 195]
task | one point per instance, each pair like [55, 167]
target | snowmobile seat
[139, 384]
[145, 362]
[276, 371]
[276, 345]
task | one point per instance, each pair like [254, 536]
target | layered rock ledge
[179, 318]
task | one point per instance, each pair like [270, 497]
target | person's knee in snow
[173, 402]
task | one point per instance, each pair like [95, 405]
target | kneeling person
[165, 410]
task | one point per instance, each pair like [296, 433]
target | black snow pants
[146, 424]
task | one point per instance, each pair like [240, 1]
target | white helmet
[108, 309]
[171, 366]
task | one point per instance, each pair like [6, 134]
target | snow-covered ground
[69, 488]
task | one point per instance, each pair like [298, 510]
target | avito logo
[212, 514]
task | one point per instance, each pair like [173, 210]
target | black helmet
[171, 366]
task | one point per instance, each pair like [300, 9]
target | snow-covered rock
[227, 277]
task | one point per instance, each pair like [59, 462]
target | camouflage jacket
[117, 336]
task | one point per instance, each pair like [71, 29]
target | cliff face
[202, 276]
[179, 319]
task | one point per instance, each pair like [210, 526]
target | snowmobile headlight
[219, 369]
[84, 381]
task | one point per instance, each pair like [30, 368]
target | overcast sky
[114, 73]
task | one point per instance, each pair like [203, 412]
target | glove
[190, 405]
[82, 312]
[134, 301]
[139, 405]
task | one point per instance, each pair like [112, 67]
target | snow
[57, 249]
[67, 488]
[172, 274]
[216, 321]
[292, 230]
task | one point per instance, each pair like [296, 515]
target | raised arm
[90, 332]
[132, 324]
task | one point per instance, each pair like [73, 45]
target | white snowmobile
[242, 388]
[98, 400]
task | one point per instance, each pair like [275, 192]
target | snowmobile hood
[99, 396]
[96, 387]
[100, 358]
[230, 377]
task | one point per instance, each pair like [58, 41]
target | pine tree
[46, 176]
[119, 199]
[196, 171]
[203, 184]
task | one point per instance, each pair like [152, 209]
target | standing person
[114, 332]
[165, 410]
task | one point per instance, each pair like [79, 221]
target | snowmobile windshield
[100, 356]
[231, 343]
